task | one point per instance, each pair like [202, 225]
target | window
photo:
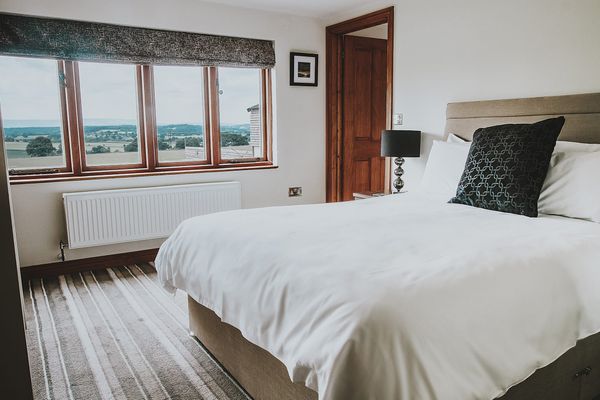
[111, 134]
[31, 106]
[179, 93]
[65, 118]
[240, 112]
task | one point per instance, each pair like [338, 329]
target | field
[18, 158]
[116, 139]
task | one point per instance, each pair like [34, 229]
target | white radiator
[125, 215]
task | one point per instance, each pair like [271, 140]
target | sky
[29, 91]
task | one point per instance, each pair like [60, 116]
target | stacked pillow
[567, 189]
[444, 168]
[572, 186]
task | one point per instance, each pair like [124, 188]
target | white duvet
[400, 297]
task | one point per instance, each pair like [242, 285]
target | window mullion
[75, 130]
[215, 131]
[65, 117]
[207, 112]
[79, 114]
[149, 111]
[265, 105]
[142, 148]
[269, 115]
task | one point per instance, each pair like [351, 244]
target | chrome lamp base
[399, 171]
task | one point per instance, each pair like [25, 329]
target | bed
[295, 313]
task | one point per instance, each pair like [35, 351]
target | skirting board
[87, 264]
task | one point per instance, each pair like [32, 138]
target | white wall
[479, 50]
[299, 116]
[458, 50]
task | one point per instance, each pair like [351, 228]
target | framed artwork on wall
[304, 69]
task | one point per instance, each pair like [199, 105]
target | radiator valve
[62, 245]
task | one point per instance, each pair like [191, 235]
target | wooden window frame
[265, 120]
[206, 124]
[66, 136]
[73, 131]
[76, 93]
[67, 169]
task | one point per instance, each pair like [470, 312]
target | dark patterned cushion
[507, 165]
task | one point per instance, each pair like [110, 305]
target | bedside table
[366, 195]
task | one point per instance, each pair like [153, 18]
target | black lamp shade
[398, 143]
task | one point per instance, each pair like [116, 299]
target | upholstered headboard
[581, 111]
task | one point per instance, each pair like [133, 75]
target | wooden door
[364, 115]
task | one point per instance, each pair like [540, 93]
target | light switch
[398, 119]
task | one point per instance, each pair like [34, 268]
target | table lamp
[400, 144]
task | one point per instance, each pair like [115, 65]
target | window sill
[92, 175]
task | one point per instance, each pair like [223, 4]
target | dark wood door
[364, 115]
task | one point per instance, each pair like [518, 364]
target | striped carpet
[114, 334]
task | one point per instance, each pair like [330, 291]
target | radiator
[126, 215]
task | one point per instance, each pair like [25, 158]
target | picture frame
[304, 69]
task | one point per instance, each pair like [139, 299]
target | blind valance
[91, 41]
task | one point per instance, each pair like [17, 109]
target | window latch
[62, 79]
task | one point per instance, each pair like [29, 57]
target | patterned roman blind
[91, 41]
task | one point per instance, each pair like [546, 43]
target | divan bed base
[262, 375]
[574, 376]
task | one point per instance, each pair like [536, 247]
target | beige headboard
[581, 111]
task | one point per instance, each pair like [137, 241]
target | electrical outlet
[295, 191]
[398, 119]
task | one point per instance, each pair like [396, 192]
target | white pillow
[561, 146]
[572, 186]
[566, 147]
[452, 138]
[444, 169]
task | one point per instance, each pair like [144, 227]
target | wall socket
[295, 191]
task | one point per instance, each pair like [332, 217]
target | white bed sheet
[399, 297]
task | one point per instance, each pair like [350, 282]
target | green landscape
[41, 146]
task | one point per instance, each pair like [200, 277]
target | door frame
[334, 36]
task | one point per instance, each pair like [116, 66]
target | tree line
[42, 146]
